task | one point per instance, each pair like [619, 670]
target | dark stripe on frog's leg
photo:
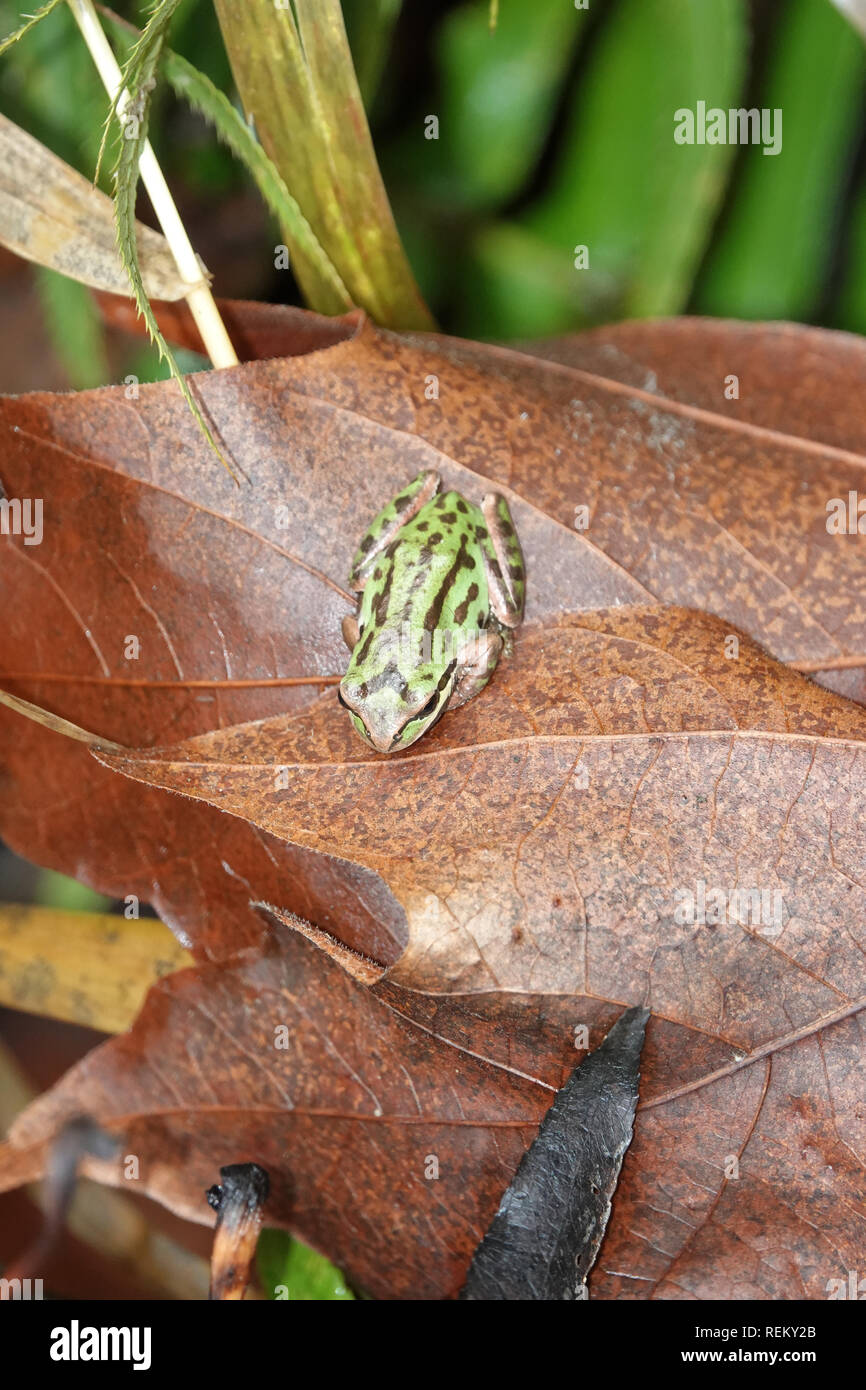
[506, 571]
[384, 528]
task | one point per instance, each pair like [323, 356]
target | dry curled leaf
[51, 214]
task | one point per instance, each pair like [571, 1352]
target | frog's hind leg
[476, 663]
[382, 531]
[506, 572]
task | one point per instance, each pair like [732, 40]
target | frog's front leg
[476, 662]
[382, 531]
[503, 562]
[351, 631]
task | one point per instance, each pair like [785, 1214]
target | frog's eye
[428, 708]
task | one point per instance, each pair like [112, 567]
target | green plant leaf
[854, 12]
[74, 327]
[139, 78]
[500, 91]
[287, 1264]
[202, 95]
[370, 26]
[851, 305]
[232, 129]
[770, 258]
[514, 286]
[57, 890]
[643, 205]
[293, 69]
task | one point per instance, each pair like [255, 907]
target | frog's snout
[383, 743]
[375, 732]
[378, 731]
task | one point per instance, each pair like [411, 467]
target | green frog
[440, 586]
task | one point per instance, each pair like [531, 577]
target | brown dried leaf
[524, 861]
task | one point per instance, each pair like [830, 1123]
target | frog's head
[390, 709]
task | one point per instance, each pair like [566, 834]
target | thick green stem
[294, 72]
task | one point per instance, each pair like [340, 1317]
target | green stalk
[199, 92]
[294, 72]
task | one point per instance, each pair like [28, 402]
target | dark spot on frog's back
[389, 678]
[365, 545]
[361, 654]
[463, 608]
[462, 560]
[449, 518]
[422, 526]
[383, 599]
[461, 506]
[481, 533]
[516, 571]
[435, 539]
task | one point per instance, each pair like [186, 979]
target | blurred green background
[554, 131]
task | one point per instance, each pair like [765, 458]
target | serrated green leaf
[28, 24]
[139, 78]
[197, 89]
[233, 130]
[202, 95]
[139, 73]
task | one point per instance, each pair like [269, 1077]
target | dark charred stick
[238, 1202]
[545, 1237]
